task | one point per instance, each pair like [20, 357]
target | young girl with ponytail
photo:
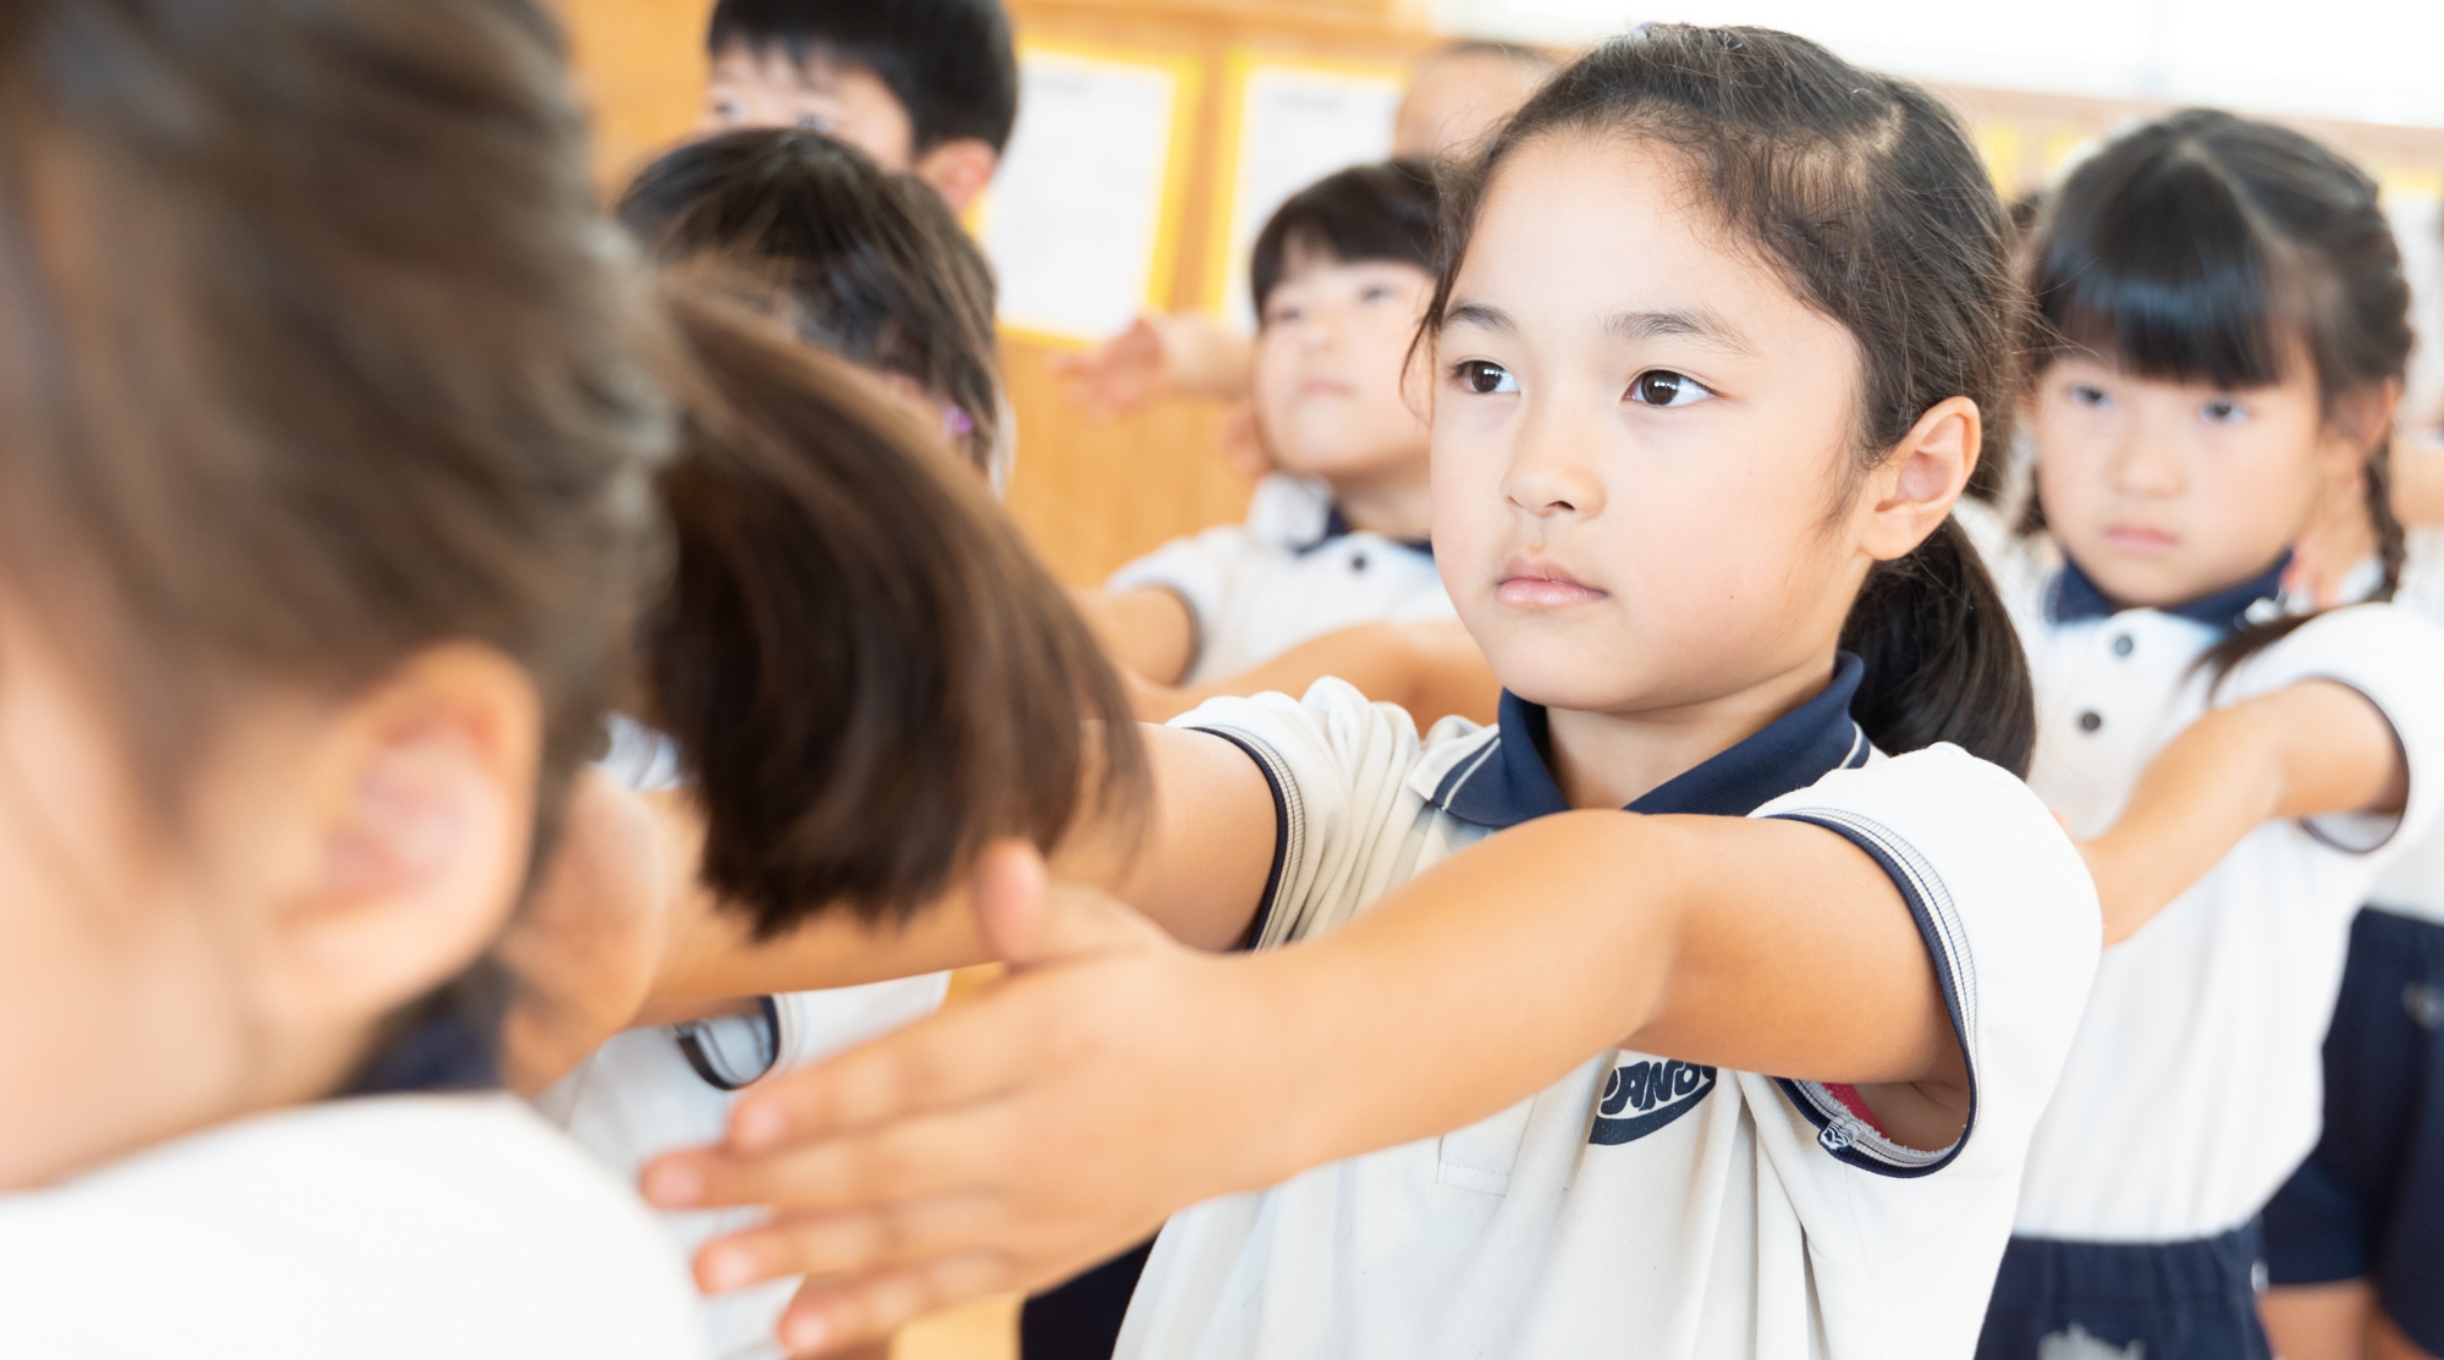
[2220, 341]
[1702, 1007]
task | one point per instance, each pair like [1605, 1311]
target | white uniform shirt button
[2122, 645]
[2091, 720]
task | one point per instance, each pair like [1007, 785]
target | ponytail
[1943, 662]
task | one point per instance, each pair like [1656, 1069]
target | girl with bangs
[2221, 342]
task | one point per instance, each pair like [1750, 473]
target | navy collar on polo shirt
[1336, 525]
[1511, 784]
[2075, 599]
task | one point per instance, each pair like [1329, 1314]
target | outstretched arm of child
[1429, 669]
[1187, 354]
[1149, 631]
[623, 932]
[2309, 749]
[1118, 1077]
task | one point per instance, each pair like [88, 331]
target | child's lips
[1527, 584]
[2143, 540]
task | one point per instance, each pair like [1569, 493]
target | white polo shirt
[380, 1228]
[1256, 590]
[1643, 1205]
[2195, 1087]
[2413, 885]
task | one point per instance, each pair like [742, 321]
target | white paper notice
[1296, 126]
[1071, 221]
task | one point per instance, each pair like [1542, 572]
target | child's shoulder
[390, 1226]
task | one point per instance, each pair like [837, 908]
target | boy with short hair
[925, 87]
[1341, 274]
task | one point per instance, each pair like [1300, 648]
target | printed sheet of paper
[1080, 219]
[1296, 124]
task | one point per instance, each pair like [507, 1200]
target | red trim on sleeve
[1857, 1104]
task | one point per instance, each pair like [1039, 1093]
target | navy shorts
[2368, 1204]
[2127, 1301]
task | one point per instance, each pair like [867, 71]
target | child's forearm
[2309, 749]
[1429, 669]
[1490, 976]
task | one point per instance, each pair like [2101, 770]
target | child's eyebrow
[1702, 326]
[1482, 317]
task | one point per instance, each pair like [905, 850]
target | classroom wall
[1093, 495]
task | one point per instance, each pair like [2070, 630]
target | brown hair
[313, 352]
[867, 672]
[1866, 194]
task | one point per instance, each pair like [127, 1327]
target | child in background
[2222, 337]
[1739, 1060]
[925, 87]
[872, 265]
[1458, 96]
[2353, 1250]
[323, 487]
[1341, 274]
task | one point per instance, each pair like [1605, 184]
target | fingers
[1029, 923]
[851, 1244]
[835, 1314]
[956, 1057]
[1008, 898]
[918, 1158]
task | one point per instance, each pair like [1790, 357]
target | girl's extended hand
[1004, 1144]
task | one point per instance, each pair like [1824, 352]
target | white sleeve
[1338, 766]
[2394, 657]
[811, 1026]
[2010, 919]
[1204, 570]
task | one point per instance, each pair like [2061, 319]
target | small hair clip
[955, 423]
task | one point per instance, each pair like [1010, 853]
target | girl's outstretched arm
[1198, 868]
[1429, 669]
[1119, 1077]
[2309, 749]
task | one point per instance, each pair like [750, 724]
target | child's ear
[423, 802]
[1909, 496]
[958, 170]
[2360, 420]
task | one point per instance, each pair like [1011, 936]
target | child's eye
[2084, 394]
[2224, 411]
[814, 122]
[1663, 387]
[1375, 292]
[1483, 378]
[728, 111]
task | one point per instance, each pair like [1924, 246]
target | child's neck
[1396, 506]
[1611, 760]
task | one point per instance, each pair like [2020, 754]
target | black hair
[950, 63]
[876, 267]
[1868, 197]
[2204, 247]
[1386, 211]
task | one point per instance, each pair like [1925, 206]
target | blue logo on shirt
[1659, 1092]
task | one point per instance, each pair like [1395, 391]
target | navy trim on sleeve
[1278, 781]
[710, 1058]
[2309, 824]
[1838, 1131]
